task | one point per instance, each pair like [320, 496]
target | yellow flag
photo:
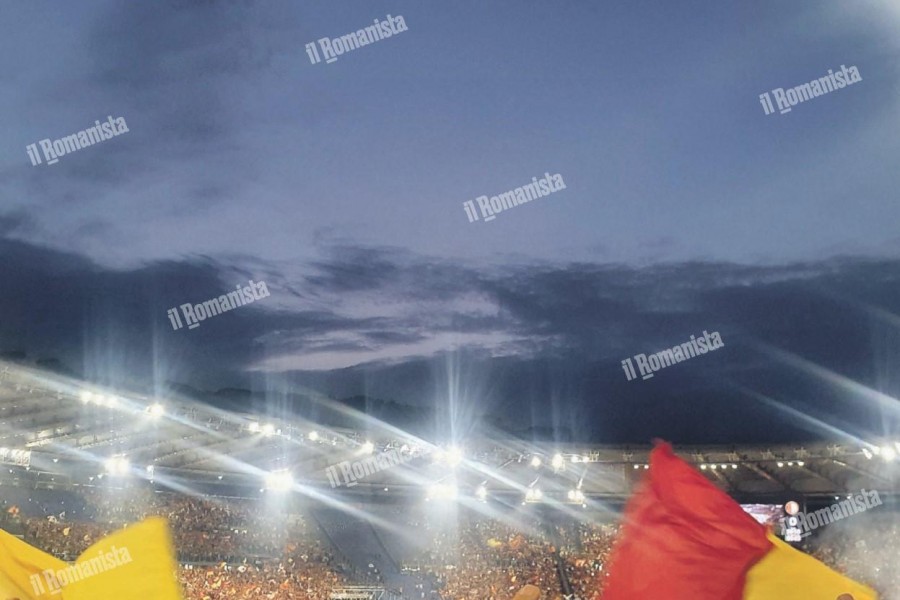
[136, 563]
[788, 574]
[24, 570]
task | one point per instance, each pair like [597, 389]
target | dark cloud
[539, 344]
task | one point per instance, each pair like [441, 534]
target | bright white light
[646, 466]
[702, 467]
[279, 481]
[800, 463]
[117, 465]
[713, 467]
[86, 396]
[481, 493]
[733, 466]
[576, 496]
[313, 436]
[151, 469]
[254, 427]
[533, 495]
[575, 458]
[867, 453]
[442, 491]
[888, 453]
[780, 464]
[368, 448]
[268, 429]
[535, 461]
[557, 461]
[112, 401]
[454, 456]
[156, 410]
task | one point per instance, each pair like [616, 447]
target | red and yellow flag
[23, 568]
[135, 563]
[684, 539]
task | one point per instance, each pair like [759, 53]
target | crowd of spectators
[487, 559]
[285, 580]
[586, 552]
[230, 550]
[865, 548]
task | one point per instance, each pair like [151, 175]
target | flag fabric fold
[135, 563]
[23, 569]
[682, 538]
[787, 573]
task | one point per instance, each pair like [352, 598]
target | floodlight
[117, 465]
[454, 456]
[481, 493]
[557, 461]
[576, 496]
[533, 495]
[280, 480]
[442, 491]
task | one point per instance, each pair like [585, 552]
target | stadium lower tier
[239, 549]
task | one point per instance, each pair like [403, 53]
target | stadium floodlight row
[59, 430]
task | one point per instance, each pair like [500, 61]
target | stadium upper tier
[58, 430]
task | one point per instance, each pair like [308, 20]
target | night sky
[341, 186]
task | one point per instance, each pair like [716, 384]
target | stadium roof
[59, 429]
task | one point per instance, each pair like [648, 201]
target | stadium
[405, 300]
[254, 511]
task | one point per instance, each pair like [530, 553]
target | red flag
[682, 538]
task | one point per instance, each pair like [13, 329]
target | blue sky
[341, 185]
